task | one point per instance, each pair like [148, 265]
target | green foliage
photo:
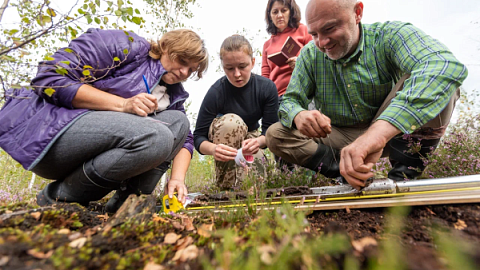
[273, 240]
[455, 252]
[391, 252]
[200, 175]
[39, 28]
[170, 12]
[14, 181]
[458, 152]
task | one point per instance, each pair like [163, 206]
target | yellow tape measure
[331, 199]
[171, 204]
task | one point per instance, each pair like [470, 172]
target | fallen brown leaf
[4, 260]
[39, 255]
[78, 243]
[156, 218]
[171, 238]
[460, 225]
[188, 223]
[178, 226]
[360, 245]
[184, 242]
[205, 230]
[12, 238]
[183, 255]
[92, 231]
[153, 266]
[348, 210]
[36, 215]
[75, 236]
[63, 231]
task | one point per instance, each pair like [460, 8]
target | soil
[461, 221]
[25, 239]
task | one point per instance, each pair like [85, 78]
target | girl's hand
[141, 104]
[224, 153]
[291, 62]
[250, 146]
[179, 186]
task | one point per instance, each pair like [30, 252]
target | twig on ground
[23, 212]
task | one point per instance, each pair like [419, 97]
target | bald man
[379, 89]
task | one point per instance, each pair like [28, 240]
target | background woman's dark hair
[293, 21]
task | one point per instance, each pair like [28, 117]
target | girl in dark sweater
[229, 115]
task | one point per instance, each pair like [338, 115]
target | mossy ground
[69, 236]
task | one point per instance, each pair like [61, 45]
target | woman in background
[229, 115]
[283, 20]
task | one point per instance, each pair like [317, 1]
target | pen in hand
[148, 91]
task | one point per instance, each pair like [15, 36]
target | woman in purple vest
[106, 114]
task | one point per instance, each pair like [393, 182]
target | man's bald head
[336, 4]
[334, 26]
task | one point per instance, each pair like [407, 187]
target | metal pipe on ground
[439, 183]
[388, 186]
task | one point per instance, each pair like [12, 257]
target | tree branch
[41, 33]
[4, 89]
[2, 9]
[26, 41]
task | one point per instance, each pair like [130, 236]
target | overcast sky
[455, 23]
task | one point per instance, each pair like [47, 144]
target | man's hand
[250, 146]
[358, 158]
[141, 104]
[179, 186]
[224, 153]
[313, 124]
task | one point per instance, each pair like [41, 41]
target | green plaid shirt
[350, 91]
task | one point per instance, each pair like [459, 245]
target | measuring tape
[332, 199]
[171, 204]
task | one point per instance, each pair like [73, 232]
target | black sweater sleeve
[208, 111]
